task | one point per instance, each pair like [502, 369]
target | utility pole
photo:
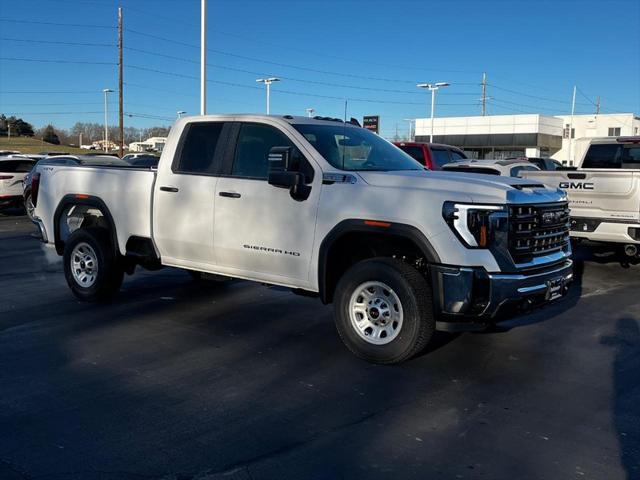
[9, 130]
[203, 57]
[120, 92]
[80, 141]
[106, 91]
[484, 94]
[573, 111]
[598, 105]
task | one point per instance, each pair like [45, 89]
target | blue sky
[370, 52]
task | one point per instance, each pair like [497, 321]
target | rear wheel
[28, 206]
[91, 266]
[384, 311]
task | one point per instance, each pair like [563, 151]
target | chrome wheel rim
[84, 265]
[30, 208]
[376, 313]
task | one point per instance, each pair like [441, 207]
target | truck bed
[126, 191]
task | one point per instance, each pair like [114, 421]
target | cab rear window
[16, 166]
[602, 156]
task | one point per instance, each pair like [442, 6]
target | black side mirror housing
[284, 174]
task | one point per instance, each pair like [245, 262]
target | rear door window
[602, 156]
[631, 156]
[440, 157]
[415, 152]
[199, 149]
[457, 156]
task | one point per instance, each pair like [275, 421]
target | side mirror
[284, 174]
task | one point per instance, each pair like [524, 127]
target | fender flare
[408, 232]
[85, 200]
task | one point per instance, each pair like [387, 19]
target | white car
[13, 169]
[508, 168]
[324, 207]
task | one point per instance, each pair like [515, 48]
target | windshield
[351, 148]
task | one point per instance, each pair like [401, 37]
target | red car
[432, 155]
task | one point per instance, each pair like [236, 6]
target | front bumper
[473, 293]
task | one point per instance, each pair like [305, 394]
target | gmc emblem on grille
[549, 218]
[576, 185]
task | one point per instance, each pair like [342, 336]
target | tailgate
[596, 193]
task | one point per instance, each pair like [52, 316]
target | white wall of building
[490, 124]
[592, 126]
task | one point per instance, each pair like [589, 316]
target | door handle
[169, 189]
[576, 176]
[230, 194]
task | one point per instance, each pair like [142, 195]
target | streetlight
[310, 112]
[106, 91]
[180, 113]
[410, 120]
[268, 82]
[433, 87]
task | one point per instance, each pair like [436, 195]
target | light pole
[180, 113]
[433, 87]
[410, 120]
[203, 57]
[106, 91]
[268, 82]
[310, 112]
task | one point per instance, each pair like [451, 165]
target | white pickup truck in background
[603, 191]
[321, 206]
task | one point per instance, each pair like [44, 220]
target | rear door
[261, 232]
[184, 197]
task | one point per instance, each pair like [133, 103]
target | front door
[261, 232]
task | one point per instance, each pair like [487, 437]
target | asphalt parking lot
[179, 380]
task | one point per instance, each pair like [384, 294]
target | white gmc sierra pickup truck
[603, 191]
[324, 207]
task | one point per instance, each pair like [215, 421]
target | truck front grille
[537, 230]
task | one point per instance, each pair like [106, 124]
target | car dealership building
[504, 136]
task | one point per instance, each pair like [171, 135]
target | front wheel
[383, 311]
[91, 265]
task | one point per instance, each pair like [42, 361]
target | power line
[56, 42]
[43, 60]
[293, 79]
[57, 24]
[515, 92]
[278, 64]
[288, 92]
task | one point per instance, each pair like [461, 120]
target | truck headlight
[474, 224]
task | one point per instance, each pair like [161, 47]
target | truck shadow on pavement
[626, 390]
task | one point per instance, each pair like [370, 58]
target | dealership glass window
[602, 156]
[614, 132]
[440, 157]
[252, 150]
[199, 148]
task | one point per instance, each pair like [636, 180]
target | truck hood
[474, 187]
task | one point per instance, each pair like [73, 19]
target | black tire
[415, 296]
[110, 272]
